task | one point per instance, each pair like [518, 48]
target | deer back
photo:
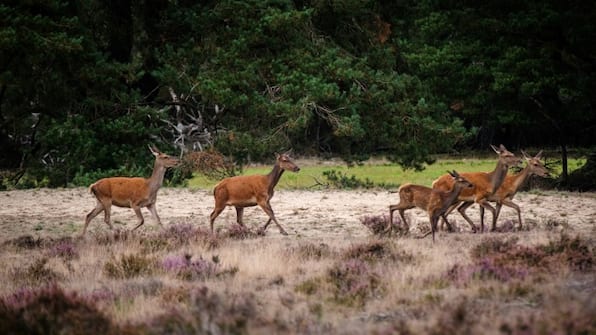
[416, 195]
[121, 190]
[241, 190]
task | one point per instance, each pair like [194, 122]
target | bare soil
[321, 214]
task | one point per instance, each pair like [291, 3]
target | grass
[384, 286]
[381, 173]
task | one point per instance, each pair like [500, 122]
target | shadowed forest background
[86, 85]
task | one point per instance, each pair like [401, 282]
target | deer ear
[495, 149]
[525, 155]
[153, 150]
[538, 155]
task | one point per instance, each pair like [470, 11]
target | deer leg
[239, 214]
[449, 227]
[403, 219]
[107, 213]
[513, 205]
[389, 227]
[444, 216]
[216, 211]
[485, 205]
[267, 208]
[98, 208]
[137, 210]
[153, 211]
[434, 219]
[462, 211]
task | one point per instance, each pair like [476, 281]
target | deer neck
[497, 176]
[156, 179]
[520, 178]
[451, 196]
[274, 176]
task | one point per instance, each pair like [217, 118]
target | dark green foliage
[341, 180]
[85, 86]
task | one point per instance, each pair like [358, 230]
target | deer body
[410, 196]
[131, 192]
[440, 201]
[512, 183]
[485, 184]
[248, 191]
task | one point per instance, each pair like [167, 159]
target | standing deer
[485, 184]
[513, 183]
[440, 200]
[410, 196]
[135, 192]
[248, 191]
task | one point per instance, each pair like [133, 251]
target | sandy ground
[319, 214]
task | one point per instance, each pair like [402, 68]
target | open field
[379, 171]
[330, 275]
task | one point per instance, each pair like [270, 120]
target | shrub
[574, 251]
[492, 245]
[25, 242]
[240, 232]
[35, 274]
[50, 310]
[454, 319]
[377, 224]
[377, 250]
[64, 248]
[188, 269]
[128, 266]
[309, 251]
[338, 179]
[210, 163]
[353, 282]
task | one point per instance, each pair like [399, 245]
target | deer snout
[296, 169]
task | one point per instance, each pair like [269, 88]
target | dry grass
[346, 280]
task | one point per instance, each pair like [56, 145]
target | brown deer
[440, 200]
[410, 196]
[513, 183]
[248, 191]
[135, 192]
[485, 184]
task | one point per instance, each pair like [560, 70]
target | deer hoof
[283, 232]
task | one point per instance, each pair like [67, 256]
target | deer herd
[450, 191]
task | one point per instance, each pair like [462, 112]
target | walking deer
[440, 200]
[248, 191]
[132, 192]
[513, 183]
[485, 184]
[410, 196]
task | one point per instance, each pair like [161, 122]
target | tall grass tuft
[128, 266]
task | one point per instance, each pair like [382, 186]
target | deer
[131, 192]
[485, 184]
[513, 183]
[410, 196]
[252, 190]
[440, 201]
